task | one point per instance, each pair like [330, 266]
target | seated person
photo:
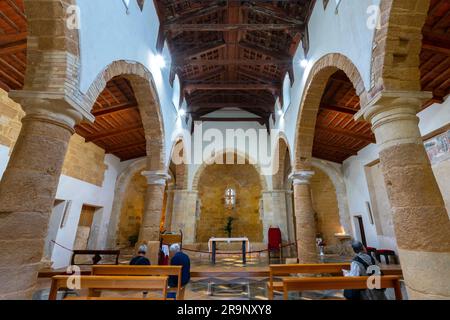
[360, 266]
[141, 259]
[179, 259]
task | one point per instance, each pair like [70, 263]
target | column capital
[156, 177]
[392, 105]
[54, 110]
[301, 177]
[74, 101]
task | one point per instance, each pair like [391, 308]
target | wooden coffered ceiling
[231, 54]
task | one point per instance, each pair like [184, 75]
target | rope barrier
[60, 245]
[240, 252]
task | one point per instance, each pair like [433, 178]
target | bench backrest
[338, 283]
[97, 256]
[110, 283]
[288, 269]
[127, 270]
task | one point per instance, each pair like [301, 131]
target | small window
[230, 198]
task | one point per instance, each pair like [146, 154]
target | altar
[212, 247]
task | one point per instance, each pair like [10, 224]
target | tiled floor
[236, 288]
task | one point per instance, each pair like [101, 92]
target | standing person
[359, 266]
[179, 258]
[140, 259]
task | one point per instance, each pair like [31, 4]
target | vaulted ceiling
[232, 54]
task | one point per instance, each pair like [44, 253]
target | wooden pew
[111, 283]
[293, 269]
[97, 256]
[338, 283]
[127, 270]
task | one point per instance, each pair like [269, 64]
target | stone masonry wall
[213, 182]
[326, 206]
[84, 161]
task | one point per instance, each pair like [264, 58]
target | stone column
[27, 193]
[304, 214]
[421, 222]
[151, 218]
[154, 199]
[275, 213]
[169, 208]
[184, 214]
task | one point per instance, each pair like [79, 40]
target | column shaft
[421, 222]
[27, 194]
[305, 219]
[151, 219]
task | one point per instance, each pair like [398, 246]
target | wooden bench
[97, 256]
[95, 283]
[126, 270]
[293, 269]
[338, 283]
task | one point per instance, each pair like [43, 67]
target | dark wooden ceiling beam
[270, 12]
[346, 133]
[339, 109]
[113, 109]
[13, 47]
[222, 27]
[229, 86]
[114, 132]
[227, 62]
[335, 148]
[125, 147]
[432, 46]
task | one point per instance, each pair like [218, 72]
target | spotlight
[303, 63]
[182, 112]
[159, 61]
[280, 112]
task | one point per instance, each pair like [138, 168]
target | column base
[426, 274]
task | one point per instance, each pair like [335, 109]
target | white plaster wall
[80, 193]
[108, 33]
[431, 119]
[346, 33]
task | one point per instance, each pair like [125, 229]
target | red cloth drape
[274, 238]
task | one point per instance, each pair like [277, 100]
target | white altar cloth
[229, 240]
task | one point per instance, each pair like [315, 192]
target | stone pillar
[27, 193]
[304, 214]
[169, 208]
[184, 214]
[275, 213]
[421, 222]
[154, 199]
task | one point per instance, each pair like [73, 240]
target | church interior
[262, 139]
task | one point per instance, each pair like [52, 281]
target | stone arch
[144, 88]
[314, 89]
[281, 156]
[341, 192]
[123, 180]
[205, 164]
[397, 45]
[211, 182]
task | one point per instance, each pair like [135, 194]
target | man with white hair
[140, 259]
[179, 259]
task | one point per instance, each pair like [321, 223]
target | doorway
[360, 227]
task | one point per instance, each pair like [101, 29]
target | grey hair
[175, 248]
[357, 246]
[142, 249]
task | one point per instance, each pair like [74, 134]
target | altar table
[212, 247]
